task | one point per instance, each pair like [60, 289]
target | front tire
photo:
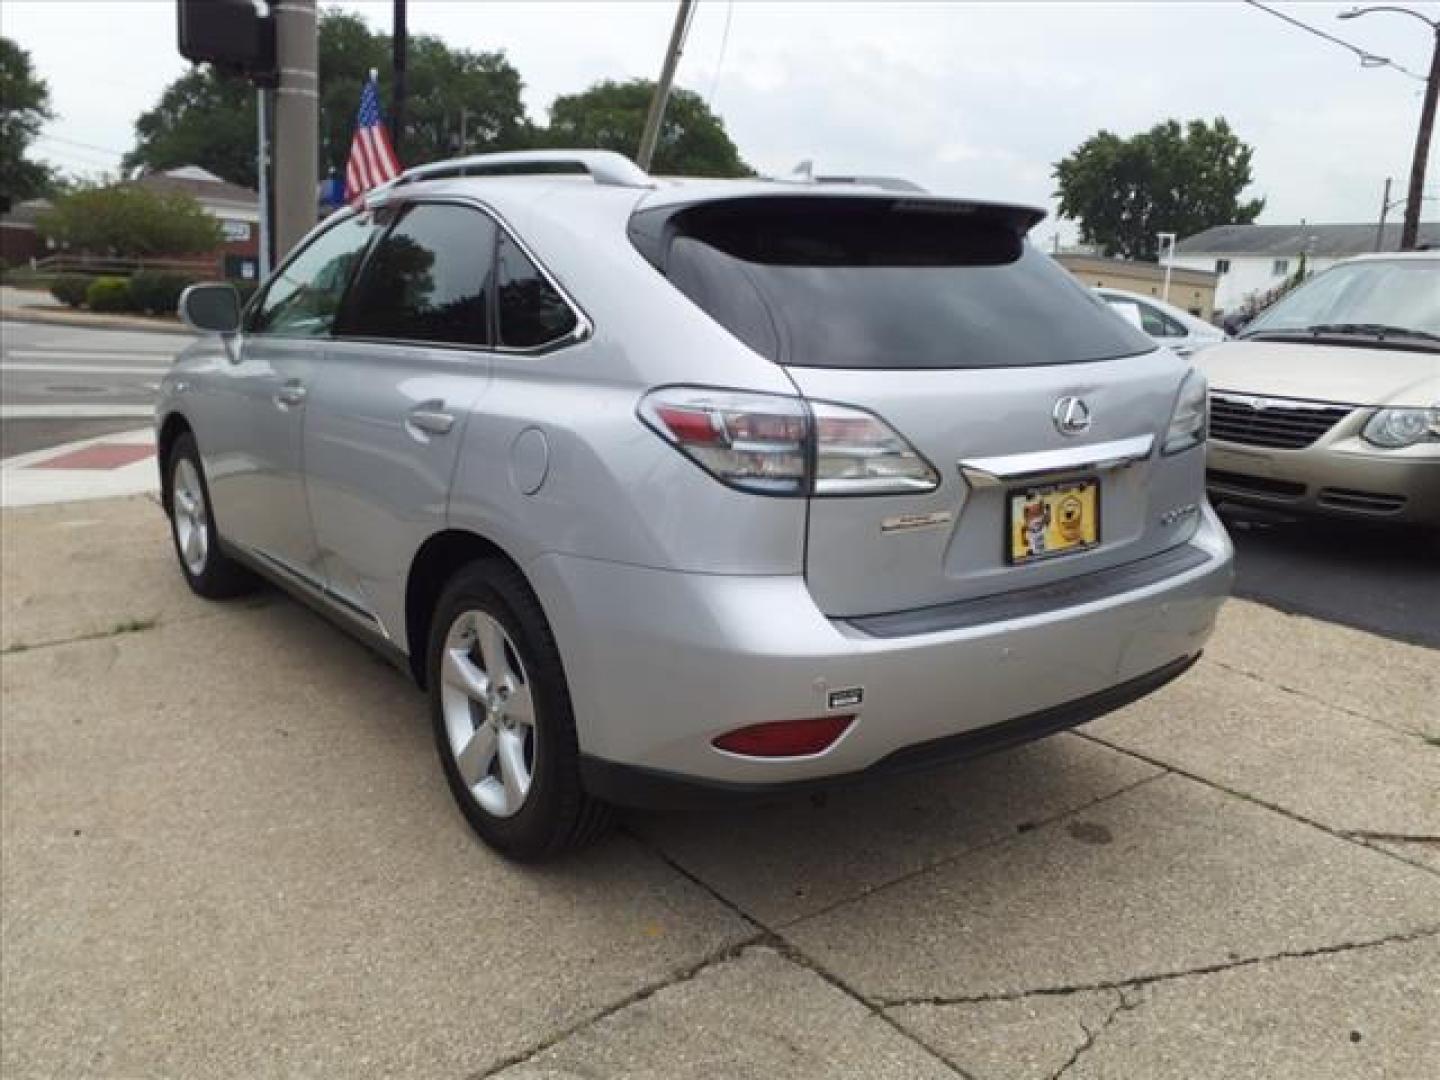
[504, 727]
[208, 570]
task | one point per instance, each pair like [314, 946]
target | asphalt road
[59, 384]
[1381, 579]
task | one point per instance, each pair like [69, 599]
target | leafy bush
[109, 294]
[126, 220]
[158, 291]
[71, 289]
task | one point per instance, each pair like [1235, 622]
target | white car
[1167, 324]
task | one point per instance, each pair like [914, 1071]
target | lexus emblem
[1071, 416]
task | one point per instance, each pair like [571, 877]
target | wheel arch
[171, 429]
[434, 564]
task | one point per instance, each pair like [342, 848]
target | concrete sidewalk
[228, 851]
[100, 467]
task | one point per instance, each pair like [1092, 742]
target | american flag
[372, 157]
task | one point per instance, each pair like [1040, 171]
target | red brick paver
[98, 456]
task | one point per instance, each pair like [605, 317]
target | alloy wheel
[192, 520]
[489, 713]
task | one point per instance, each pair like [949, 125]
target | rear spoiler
[651, 228]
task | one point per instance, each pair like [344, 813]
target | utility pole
[262, 168]
[399, 49]
[297, 114]
[1384, 213]
[651, 134]
[1410, 232]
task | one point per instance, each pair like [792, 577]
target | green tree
[1172, 178]
[201, 119]
[611, 116]
[24, 107]
[128, 221]
[208, 120]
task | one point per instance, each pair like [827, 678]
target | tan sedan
[1330, 401]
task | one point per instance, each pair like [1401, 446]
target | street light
[1410, 233]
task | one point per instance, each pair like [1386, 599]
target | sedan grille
[1277, 423]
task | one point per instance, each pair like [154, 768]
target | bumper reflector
[784, 738]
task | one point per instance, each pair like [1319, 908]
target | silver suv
[676, 492]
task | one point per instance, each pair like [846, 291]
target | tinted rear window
[837, 283]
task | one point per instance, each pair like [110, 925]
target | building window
[1222, 266]
[1280, 267]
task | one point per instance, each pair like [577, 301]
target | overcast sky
[970, 98]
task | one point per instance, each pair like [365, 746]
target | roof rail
[604, 166]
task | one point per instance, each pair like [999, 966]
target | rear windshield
[837, 283]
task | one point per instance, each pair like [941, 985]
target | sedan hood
[1347, 375]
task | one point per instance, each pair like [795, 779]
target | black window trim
[310, 239]
[583, 330]
[584, 327]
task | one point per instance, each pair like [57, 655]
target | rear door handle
[431, 418]
[290, 394]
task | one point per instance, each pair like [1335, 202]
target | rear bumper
[632, 785]
[659, 663]
[1343, 481]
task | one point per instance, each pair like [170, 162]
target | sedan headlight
[1394, 428]
[1190, 417]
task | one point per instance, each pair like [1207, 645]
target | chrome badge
[1071, 416]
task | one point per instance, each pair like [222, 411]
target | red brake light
[784, 738]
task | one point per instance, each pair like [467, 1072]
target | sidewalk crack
[771, 938]
[1123, 1003]
[675, 978]
[1399, 938]
[1358, 838]
[1299, 692]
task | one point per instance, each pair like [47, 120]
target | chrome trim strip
[1007, 468]
[315, 588]
[1260, 401]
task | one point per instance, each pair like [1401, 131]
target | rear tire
[503, 722]
[208, 570]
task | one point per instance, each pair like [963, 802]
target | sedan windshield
[1373, 299]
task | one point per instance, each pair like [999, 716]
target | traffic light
[232, 35]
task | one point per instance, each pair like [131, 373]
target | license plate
[1053, 519]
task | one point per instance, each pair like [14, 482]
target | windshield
[1403, 294]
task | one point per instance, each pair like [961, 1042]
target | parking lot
[228, 851]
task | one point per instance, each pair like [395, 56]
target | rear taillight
[857, 453]
[784, 738]
[778, 445]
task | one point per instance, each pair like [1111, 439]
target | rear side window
[873, 283]
[532, 312]
[428, 279]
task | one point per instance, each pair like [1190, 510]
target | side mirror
[211, 309]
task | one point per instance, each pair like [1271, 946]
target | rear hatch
[1031, 402]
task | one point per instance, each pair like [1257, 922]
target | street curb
[85, 320]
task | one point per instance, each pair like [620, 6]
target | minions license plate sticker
[1055, 519]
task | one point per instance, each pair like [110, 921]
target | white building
[1253, 259]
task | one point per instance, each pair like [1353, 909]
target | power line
[1367, 58]
[82, 145]
[720, 60]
